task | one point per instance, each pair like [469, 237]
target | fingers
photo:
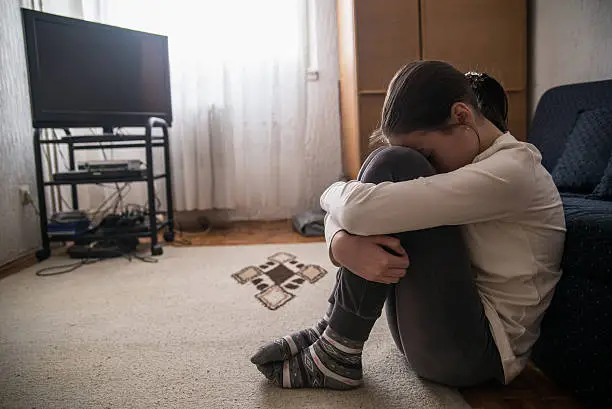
[391, 261]
[392, 276]
[390, 243]
[396, 255]
[399, 262]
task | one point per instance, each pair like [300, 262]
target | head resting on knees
[448, 116]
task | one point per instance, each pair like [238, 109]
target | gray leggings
[435, 313]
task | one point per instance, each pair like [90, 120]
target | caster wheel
[43, 254]
[169, 236]
[157, 250]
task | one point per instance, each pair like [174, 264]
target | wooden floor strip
[24, 261]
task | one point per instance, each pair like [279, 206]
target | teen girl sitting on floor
[455, 225]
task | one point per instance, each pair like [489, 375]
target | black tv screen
[85, 74]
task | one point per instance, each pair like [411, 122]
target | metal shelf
[101, 233]
[100, 138]
[99, 181]
[145, 141]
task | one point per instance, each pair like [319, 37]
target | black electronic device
[85, 74]
[69, 217]
[103, 249]
[77, 176]
[110, 165]
[124, 221]
[68, 224]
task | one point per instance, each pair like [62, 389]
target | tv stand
[151, 227]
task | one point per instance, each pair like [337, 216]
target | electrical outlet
[25, 195]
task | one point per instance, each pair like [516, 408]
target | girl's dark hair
[421, 94]
[491, 97]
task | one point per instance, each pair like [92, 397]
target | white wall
[18, 225]
[571, 42]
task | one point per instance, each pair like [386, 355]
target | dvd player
[84, 175]
[106, 165]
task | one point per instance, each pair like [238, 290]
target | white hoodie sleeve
[493, 188]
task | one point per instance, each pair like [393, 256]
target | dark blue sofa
[573, 130]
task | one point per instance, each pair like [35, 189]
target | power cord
[68, 268]
[144, 259]
[28, 200]
[181, 240]
[35, 208]
[65, 268]
[184, 241]
[104, 208]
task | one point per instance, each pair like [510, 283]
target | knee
[395, 164]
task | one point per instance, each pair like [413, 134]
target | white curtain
[238, 77]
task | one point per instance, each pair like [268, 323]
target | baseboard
[24, 261]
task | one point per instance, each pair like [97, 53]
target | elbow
[351, 220]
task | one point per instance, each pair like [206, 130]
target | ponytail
[491, 97]
[377, 139]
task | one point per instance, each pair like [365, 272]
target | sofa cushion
[604, 189]
[587, 152]
[588, 243]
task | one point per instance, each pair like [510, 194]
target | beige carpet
[176, 334]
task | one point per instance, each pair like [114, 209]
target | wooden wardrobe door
[370, 108]
[489, 35]
[517, 114]
[376, 38]
[482, 35]
[387, 37]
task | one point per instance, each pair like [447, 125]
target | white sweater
[513, 223]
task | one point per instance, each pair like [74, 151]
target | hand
[367, 257]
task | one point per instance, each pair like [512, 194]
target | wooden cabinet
[482, 35]
[377, 37]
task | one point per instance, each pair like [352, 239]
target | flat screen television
[85, 74]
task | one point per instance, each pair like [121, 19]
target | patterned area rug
[179, 334]
[279, 277]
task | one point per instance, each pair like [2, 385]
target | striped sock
[290, 345]
[332, 362]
